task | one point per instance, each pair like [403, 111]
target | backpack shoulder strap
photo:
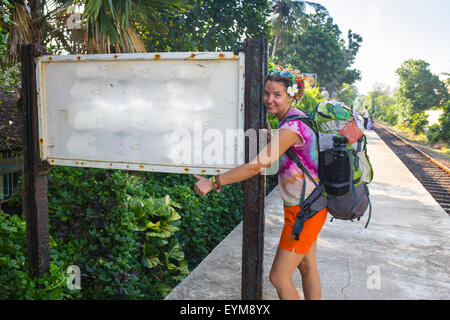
[306, 120]
[291, 154]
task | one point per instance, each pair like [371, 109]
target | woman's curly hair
[287, 82]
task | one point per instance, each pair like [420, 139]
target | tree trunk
[35, 10]
[275, 45]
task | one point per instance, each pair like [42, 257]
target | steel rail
[436, 162]
[424, 167]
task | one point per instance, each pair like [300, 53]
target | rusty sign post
[254, 189]
[35, 199]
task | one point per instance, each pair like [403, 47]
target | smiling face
[276, 99]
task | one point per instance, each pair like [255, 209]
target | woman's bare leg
[312, 288]
[283, 268]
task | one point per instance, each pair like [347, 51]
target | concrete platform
[403, 254]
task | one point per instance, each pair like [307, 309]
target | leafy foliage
[288, 18]
[103, 26]
[418, 89]
[211, 25]
[124, 244]
[348, 94]
[433, 133]
[418, 122]
[10, 73]
[320, 49]
[134, 236]
[204, 221]
[445, 123]
[15, 283]
[386, 110]
[378, 102]
[109, 23]
[310, 100]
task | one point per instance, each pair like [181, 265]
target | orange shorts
[309, 234]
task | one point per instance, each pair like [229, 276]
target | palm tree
[288, 16]
[107, 26]
[109, 23]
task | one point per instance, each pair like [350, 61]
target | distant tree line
[418, 90]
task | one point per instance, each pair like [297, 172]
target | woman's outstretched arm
[271, 153]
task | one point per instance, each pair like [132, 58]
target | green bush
[310, 100]
[389, 115]
[418, 122]
[15, 283]
[445, 124]
[205, 221]
[433, 133]
[391, 118]
[124, 244]
[134, 236]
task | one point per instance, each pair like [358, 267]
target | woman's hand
[203, 186]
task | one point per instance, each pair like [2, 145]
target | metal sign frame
[167, 167]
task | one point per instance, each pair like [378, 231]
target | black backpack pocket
[334, 171]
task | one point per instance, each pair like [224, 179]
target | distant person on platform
[370, 124]
[366, 117]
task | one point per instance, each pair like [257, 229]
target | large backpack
[344, 167]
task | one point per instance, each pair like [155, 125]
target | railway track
[434, 175]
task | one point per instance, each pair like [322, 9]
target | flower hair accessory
[292, 90]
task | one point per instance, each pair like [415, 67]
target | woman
[280, 90]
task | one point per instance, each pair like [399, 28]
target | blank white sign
[167, 112]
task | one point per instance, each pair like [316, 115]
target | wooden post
[254, 188]
[35, 199]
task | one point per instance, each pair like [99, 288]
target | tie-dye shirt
[290, 176]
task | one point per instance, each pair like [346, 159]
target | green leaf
[162, 234]
[150, 251]
[157, 242]
[174, 216]
[151, 262]
[176, 252]
[154, 226]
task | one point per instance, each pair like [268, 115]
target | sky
[394, 31]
